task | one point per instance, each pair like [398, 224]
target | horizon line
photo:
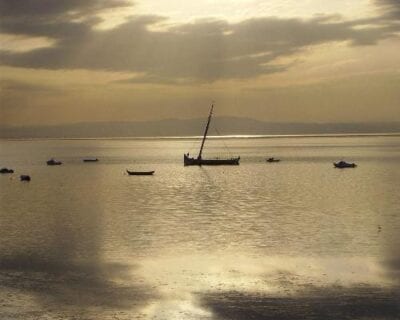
[197, 137]
[201, 118]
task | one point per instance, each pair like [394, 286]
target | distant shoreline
[271, 136]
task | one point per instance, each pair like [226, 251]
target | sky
[71, 61]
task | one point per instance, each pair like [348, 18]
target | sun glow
[238, 10]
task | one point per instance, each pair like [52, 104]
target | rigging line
[193, 145]
[223, 141]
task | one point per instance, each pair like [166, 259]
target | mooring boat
[273, 160]
[199, 161]
[53, 162]
[24, 177]
[6, 170]
[90, 160]
[344, 164]
[140, 173]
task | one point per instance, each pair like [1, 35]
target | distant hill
[191, 127]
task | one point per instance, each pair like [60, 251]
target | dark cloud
[204, 51]
[47, 8]
[390, 7]
[52, 18]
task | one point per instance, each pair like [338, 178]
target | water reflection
[238, 286]
[51, 251]
[90, 242]
[331, 303]
[77, 285]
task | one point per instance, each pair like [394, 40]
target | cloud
[8, 85]
[390, 7]
[56, 19]
[51, 8]
[203, 51]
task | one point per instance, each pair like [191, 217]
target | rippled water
[296, 239]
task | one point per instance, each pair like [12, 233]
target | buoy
[25, 178]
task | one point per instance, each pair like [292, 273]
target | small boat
[53, 162]
[5, 170]
[140, 173]
[25, 177]
[344, 164]
[273, 160]
[199, 161]
[91, 160]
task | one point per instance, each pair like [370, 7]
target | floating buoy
[25, 178]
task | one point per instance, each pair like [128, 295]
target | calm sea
[297, 239]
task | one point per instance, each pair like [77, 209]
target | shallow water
[297, 239]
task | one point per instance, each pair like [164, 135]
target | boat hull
[140, 173]
[187, 161]
[25, 177]
[53, 162]
[273, 160]
[344, 165]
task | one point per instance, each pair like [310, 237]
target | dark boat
[140, 173]
[91, 160]
[273, 160]
[199, 161]
[5, 170]
[25, 177]
[53, 162]
[344, 164]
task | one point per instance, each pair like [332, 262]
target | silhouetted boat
[344, 164]
[5, 170]
[91, 160]
[53, 162]
[25, 177]
[273, 160]
[199, 161]
[140, 173]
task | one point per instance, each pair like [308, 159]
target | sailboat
[199, 161]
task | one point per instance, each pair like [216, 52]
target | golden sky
[71, 61]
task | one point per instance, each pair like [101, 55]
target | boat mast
[205, 132]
